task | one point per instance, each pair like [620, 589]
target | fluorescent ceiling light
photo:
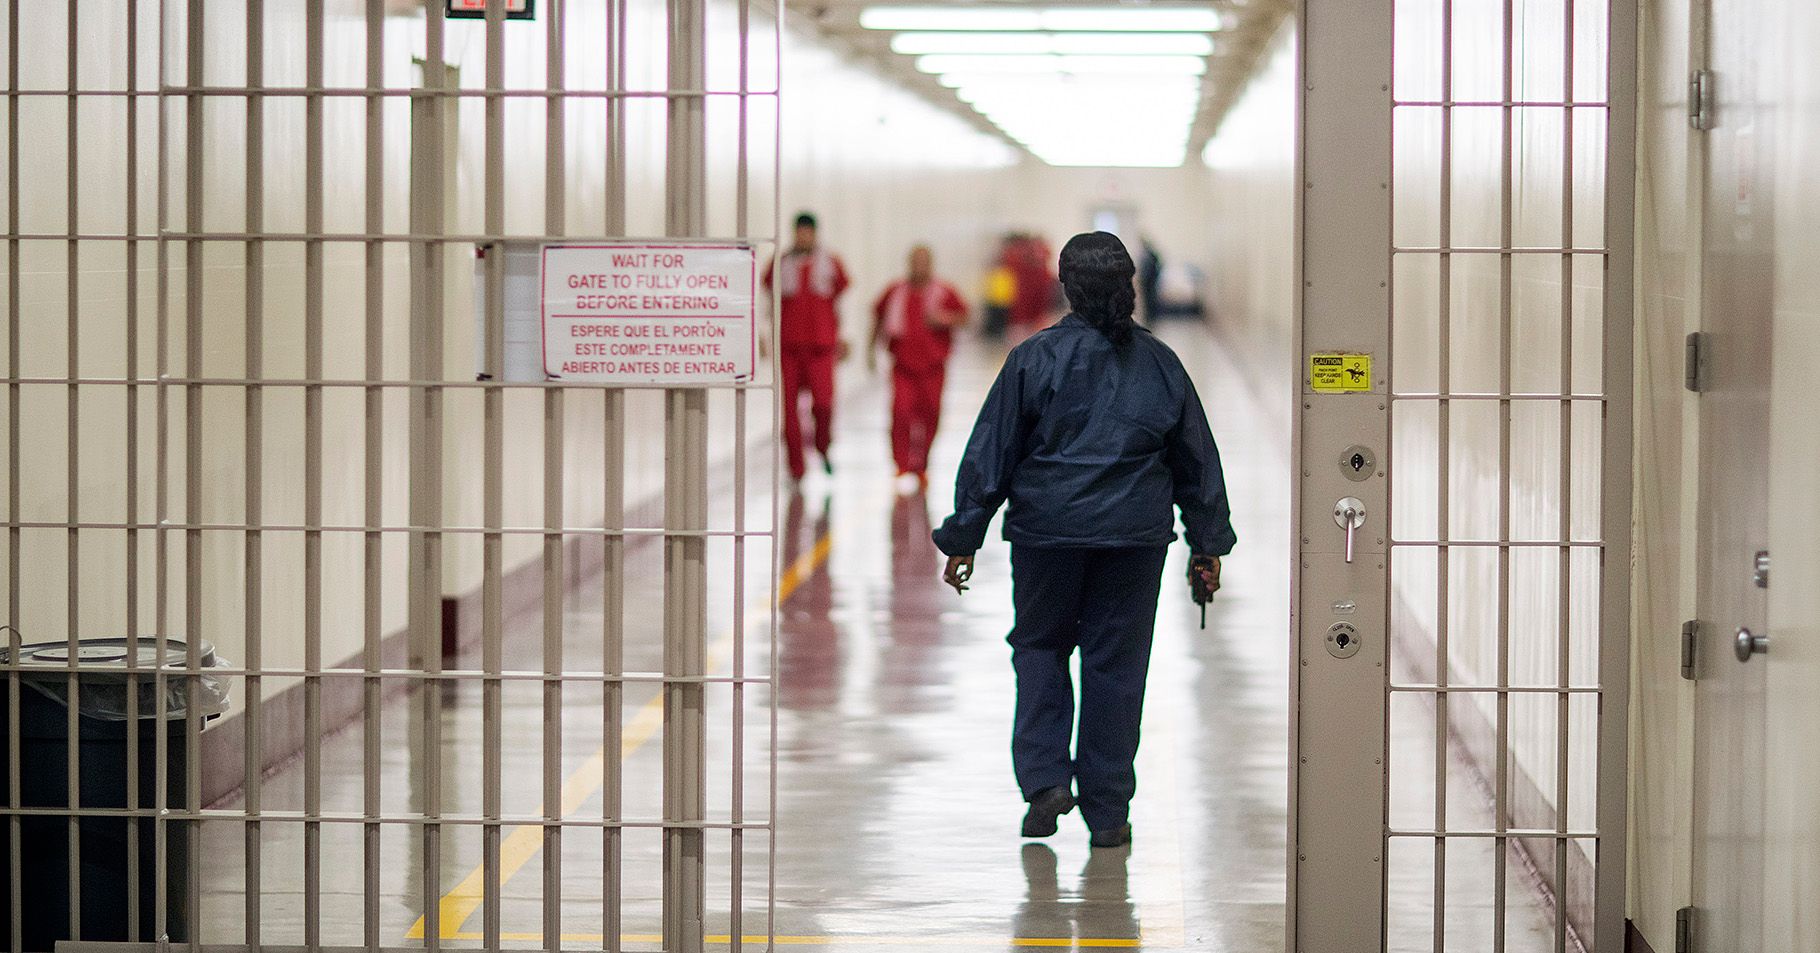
[1047, 63]
[1139, 84]
[1179, 19]
[1126, 44]
[1088, 119]
[1147, 20]
[1068, 156]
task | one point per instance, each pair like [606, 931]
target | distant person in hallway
[1033, 294]
[1150, 280]
[915, 320]
[810, 280]
[1094, 435]
[1000, 290]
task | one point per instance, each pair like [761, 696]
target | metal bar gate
[367, 573]
[1460, 667]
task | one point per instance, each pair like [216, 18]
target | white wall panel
[1251, 221]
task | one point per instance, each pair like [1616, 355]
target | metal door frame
[1339, 708]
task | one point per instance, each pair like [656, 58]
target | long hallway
[896, 708]
[894, 702]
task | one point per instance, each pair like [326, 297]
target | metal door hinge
[1694, 370]
[1760, 569]
[1700, 99]
[1684, 930]
[1690, 631]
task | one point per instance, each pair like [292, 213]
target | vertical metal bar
[741, 221]
[73, 467]
[492, 625]
[612, 598]
[130, 339]
[685, 508]
[374, 551]
[613, 565]
[252, 552]
[194, 146]
[426, 456]
[1564, 569]
[312, 472]
[14, 536]
[555, 223]
[1615, 493]
[161, 491]
[1444, 482]
[775, 464]
[1506, 231]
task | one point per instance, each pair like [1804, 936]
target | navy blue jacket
[1094, 445]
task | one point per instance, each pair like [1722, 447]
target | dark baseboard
[1634, 941]
[282, 723]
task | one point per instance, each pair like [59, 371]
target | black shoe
[1048, 805]
[1117, 837]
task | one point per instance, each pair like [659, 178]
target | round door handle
[1749, 643]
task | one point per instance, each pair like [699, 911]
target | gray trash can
[104, 730]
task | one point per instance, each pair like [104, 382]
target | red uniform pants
[811, 369]
[916, 408]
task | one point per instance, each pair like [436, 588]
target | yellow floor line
[524, 841]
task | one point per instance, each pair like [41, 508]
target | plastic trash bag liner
[101, 674]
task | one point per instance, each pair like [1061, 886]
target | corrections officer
[1094, 435]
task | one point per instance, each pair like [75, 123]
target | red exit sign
[477, 9]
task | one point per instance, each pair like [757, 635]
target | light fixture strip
[1015, 43]
[1056, 64]
[1019, 18]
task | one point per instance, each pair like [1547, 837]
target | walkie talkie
[1203, 593]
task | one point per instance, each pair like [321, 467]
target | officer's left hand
[960, 569]
[1209, 569]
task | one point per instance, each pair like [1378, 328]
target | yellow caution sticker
[1339, 373]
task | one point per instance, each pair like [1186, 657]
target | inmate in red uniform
[808, 333]
[916, 320]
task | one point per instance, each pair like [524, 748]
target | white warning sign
[643, 314]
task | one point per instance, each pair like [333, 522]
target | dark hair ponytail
[1097, 274]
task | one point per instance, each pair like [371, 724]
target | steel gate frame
[1340, 831]
[177, 387]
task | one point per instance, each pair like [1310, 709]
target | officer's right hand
[959, 570]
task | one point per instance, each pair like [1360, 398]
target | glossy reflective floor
[896, 812]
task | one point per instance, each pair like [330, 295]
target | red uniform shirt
[916, 344]
[810, 283]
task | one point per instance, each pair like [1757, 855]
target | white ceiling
[1247, 27]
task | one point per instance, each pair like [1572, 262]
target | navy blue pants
[1102, 601]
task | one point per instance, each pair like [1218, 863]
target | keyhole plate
[1358, 463]
[1343, 640]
